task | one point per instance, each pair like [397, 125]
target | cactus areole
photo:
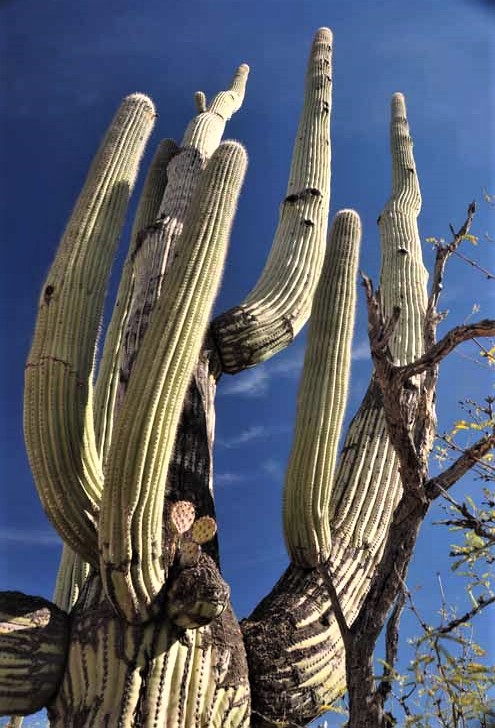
[141, 632]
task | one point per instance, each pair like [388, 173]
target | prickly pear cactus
[124, 468]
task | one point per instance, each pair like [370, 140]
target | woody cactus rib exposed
[294, 679]
[279, 304]
[135, 477]
[58, 412]
[322, 397]
[109, 388]
[156, 243]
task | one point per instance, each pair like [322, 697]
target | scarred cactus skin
[124, 470]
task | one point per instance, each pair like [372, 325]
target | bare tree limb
[326, 576]
[474, 264]
[448, 343]
[435, 486]
[391, 647]
[450, 626]
[443, 254]
[470, 521]
[400, 397]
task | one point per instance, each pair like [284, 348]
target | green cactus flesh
[135, 486]
[152, 674]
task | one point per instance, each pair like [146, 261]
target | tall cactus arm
[291, 683]
[58, 410]
[368, 483]
[131, 516]
[280, 302]
[322, 397]
[109, 383]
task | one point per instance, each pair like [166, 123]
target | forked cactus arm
[58, 410]
[205, 130]
[131, 516]
[157, 242]
[291, 683]
[280, 302]
[109, 375]
[322, 397]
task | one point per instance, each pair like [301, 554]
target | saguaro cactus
[125, 472]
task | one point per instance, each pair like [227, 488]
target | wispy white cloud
[274, 468]
[289, 363]
[29, 537]
[253, 383]
[251, 433]
[256, 382]
[361, 351]
[229, 478]
[255, 432]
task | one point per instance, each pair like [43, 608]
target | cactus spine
[126, 479]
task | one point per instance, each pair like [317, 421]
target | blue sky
[66, 66]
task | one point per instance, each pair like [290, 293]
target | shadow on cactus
[142, 632]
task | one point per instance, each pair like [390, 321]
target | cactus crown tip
[231, 144]
[398, 105]
[348, 212]
[323, 34]
[139, 97]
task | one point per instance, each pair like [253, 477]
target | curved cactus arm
[280, 302]
[291, 683]
[322, 397]
[109, 382]
[130, 525]
[58, 411]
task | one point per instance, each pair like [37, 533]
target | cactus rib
[34, 637]
[58, 412]
[280, 302]
[72, 573]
